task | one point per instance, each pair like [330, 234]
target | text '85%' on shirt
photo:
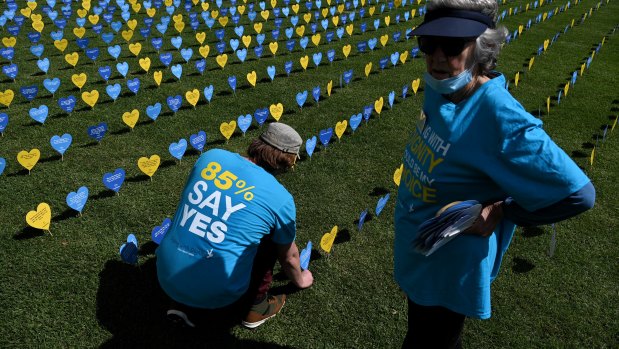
[484, 148]
[227, 206]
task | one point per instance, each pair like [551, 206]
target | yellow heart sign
[387, 20]
[415, 85]
[329, 87]
[181, 25]
[145, 63]
[204, 50]
[157, 76]
[384, 39]
[214, 14]
[531, 61]
[222, 60]
[82, 12]
[201, 36]
[273, 3]
[276, 111]
[368, 69]
[307, 17]
[91, 97]
[258, 27]
[136, 7]
[31, 5]
[340, 8]
[38, 26]
[326, 242]
[240, 9]
[520, 29]
[26, 12]
[371, 10]
[378, 105]
[61, 45]
[223, 21]
[41, 218]
[397, 175]
[135, 48]
[227, 129]
[316, 39]
[193, 97]
[93, 19]
[79, 32]
[246, 40]
[28, 158]
[127, 34]
[273, 46]
[6, 97]
[10, 41]
[152, 11]
[340, 128]
[132, 24]
[149, 165]
[349, 29]
[265, 14]
[516, 79]
[131, 118]
[403, 57]
[251, 77]
[295, 8]
[177, 18]
[79, 80]
[304, 61]
[300, 30]
[335, 20]
[566, 89]
[72, 58]
[346, 50]
[325, 12]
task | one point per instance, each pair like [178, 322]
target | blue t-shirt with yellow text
[485, 148]
[227, 206]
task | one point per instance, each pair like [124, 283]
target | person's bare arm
[288, 256]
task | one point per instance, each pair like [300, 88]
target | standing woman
[473, 141]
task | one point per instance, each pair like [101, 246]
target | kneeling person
[233, 222]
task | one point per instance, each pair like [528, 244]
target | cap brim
[450, 27]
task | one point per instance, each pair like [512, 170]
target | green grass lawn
[72, 290]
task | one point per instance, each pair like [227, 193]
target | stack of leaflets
[448, 223]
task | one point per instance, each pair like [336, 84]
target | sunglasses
[451, 47]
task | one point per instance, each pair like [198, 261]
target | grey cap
[282, 137]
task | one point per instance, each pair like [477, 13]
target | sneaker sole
[179, 318]
[252, 325]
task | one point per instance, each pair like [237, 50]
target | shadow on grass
[28, 233]
[379, 191]
[104, 194]
[132, 307]
[522, 265]
[530, 232]
[66, 214]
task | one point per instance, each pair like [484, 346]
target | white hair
[489, 43]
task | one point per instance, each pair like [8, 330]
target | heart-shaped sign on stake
[28, 158]
[77, 200]
[198, 140]
[362, 217]
[177, 150]
[41, 218]
[227, 129]
[150, 165]
[129, 250]
[159, 231]
[397, 175]
[114, 180]
[381, 204]
[306, 255]
[61, 143]
[310, 145]
[326, 242]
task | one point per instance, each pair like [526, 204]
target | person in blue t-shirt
[473, 141]
[233, 222]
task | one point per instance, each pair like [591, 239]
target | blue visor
[453, 23]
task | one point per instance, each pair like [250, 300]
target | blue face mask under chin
[449, 85]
